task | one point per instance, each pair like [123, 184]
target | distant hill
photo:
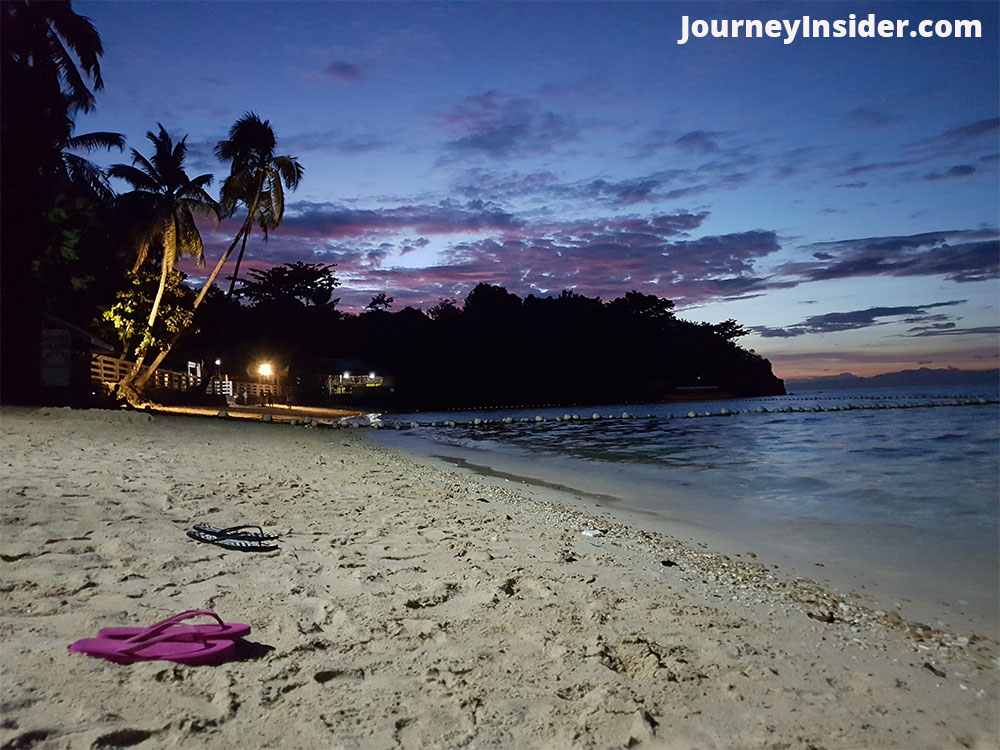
[903, 379]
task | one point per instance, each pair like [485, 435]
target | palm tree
[257, 180]
[164, 201]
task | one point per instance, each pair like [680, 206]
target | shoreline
[413, 606]
[852, 571]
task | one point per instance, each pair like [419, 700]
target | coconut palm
[257, 180]
[162, 207]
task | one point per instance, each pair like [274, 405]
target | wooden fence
[110, 370]
[107, 371]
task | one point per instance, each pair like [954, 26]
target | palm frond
[290, 170]
[146, 166]
[82, 37]
[165, 160]
[276, 196]
[79, 94]
[189, 238]
[89, 176]
[201, 181]
[137, 178]
[198, 201]
[237, 188]
[251, 143]
[92, 141]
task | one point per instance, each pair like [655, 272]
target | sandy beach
[411, 606]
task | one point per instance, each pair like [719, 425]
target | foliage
[305, 283]
[380, 301]
[55, 255]
[130, 312]
[445, 309]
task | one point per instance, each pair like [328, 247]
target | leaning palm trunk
[239, 260]
[130, 386]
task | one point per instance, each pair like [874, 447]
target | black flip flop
[243, 545]
[234, 532]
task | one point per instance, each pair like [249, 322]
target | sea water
[892, 495]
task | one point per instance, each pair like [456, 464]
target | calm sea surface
[890, 494]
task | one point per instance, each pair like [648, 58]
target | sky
[837, 196]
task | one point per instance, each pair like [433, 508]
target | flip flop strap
[231, 531]
[130, 646]
[152, 633]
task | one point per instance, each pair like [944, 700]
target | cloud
[849, 321]
[499, 126]
[966, 142]
[959, 170]
[962, 143]
[967, 255]
[332, 140]
[974, 130]
[874, 167]
[343, 71]
[466, 242]
[871, 116]
[699, 141]
[326, 220]
[598, 257]
[949, 329]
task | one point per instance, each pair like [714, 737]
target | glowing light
[264, 369]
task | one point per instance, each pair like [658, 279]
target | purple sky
[839, 196]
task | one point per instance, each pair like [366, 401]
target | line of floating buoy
[595, 417]
[537, 419]
[374, 421]
[846, 407]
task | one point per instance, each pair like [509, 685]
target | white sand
[412, 607]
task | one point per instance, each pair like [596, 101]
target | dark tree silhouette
[50, 197]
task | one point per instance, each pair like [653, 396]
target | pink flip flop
[158, 647]
[177, 632]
